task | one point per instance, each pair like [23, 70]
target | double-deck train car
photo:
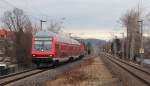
[51, 48]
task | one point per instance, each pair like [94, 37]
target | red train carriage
[50, 48]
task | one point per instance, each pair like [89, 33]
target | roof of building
[5, 33]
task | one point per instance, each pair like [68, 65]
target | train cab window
[43, 44]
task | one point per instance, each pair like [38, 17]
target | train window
[57, 46]
[70, 48]
[43, 45]
[63, 47]
[43, 38]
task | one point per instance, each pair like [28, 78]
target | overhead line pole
[141, 47]
[123, 40]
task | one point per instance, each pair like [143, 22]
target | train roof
[44, 34]
[59, 37]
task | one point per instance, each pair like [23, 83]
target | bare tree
[18, 22]
[130, 21]
[55, 26]
[36, 28]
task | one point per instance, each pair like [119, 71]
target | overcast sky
[94, 18]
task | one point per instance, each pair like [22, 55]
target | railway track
[5, 80]
[13, 74]
[15, 77]
[139, 67]
[141, 73]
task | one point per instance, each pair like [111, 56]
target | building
[4, 34]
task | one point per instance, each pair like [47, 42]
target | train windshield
[43, 44]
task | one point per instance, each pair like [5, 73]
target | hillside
[95, 41]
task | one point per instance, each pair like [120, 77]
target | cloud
[80, 14]
[98, 33]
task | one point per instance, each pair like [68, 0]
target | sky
[83, 18]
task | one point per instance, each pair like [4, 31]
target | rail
[139, 72]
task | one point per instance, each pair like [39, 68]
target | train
[51, 48]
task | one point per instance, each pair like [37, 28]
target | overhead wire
[8, 3]
[33, 17]
[14, 6]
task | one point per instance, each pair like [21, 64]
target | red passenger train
[51, 48]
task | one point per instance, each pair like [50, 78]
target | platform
[92, 73]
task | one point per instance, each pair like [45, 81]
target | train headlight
[50, 55]
[33, 55]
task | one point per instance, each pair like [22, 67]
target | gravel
[91, 73]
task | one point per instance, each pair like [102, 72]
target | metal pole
[122, 45]
[142, 41]
[115, 46]
[41, 22]
[141, 36]
[127, 44]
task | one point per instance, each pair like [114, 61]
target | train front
[42, 49]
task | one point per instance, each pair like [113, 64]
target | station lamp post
[41, 21]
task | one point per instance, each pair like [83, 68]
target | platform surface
[91, 73]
